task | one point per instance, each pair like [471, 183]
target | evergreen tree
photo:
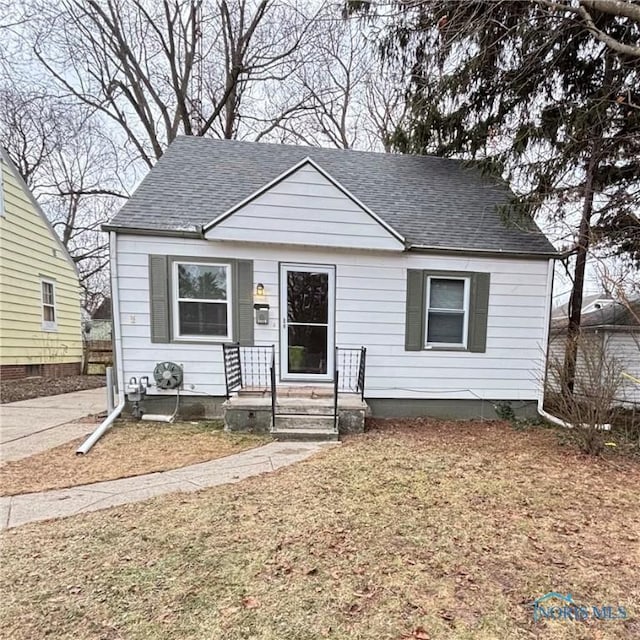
[544, 97]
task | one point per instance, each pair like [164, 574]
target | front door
[307, 312]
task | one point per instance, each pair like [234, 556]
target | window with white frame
[49, 319]
[447, 313]
[202, 301]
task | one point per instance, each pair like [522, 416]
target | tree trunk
[575, 301]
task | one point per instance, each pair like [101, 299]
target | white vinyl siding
[305, 208]
[370, 311]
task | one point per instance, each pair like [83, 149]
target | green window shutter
[244, 303]
[159, 299]
[478, 313]
[414, 318]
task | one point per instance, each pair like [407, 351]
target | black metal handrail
[232, 368]
[336, 386]
[361, 371]
[248, 368]
[273, 389]
[351, 363]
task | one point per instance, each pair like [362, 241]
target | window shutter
[159, 298]
[244, 303]
[414, 319]
[478, 313]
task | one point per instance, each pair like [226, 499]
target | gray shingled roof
[430, 201]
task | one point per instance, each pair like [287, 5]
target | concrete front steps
[302, 413]
[305, 426]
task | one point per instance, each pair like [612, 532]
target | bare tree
[349, 100]
[71, 167]
[29, 131]
[157, 69]
[386, 107]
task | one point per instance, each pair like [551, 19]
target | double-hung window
[447, 310]
[447, 318]
[48, 291]
[202, 301]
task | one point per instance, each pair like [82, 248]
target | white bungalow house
[311, 254]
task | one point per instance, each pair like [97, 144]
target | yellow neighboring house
[40, 326]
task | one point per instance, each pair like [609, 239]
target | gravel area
[27, 388]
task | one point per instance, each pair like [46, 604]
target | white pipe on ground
[117, 336]
[157, 417]
[545, 348]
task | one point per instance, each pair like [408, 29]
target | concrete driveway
[31, 426]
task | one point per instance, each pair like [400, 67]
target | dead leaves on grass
[419, 633]
[379, 538]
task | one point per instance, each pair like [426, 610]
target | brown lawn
[426, 530]
[127, 449]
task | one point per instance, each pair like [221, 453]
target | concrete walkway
[32, 507]
[31, 426]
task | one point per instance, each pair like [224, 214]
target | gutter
[545, 349]
[199, 234]
[493, 253]
[117, 334]
[166, 233]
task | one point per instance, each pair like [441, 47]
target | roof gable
[305, 205]
[37, 209]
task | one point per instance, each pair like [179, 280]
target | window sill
[203, 340]
[445, 348]
[50, 328]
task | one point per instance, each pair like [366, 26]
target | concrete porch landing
[302, 413]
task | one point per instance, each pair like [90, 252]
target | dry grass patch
[128, 449]
[433, 530]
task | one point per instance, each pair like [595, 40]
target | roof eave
[614, 328]
[166, 233]
[491, 253]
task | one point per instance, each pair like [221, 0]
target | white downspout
[117, 336]
[545, 348]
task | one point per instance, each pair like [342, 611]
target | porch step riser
[302, 435]
[305, 409]
[304, 423]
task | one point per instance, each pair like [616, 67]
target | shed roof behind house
[615, 314]
[562, 312]
[430, 201]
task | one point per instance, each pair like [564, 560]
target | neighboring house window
[202, 295]
[48, 305]
[447, 311]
